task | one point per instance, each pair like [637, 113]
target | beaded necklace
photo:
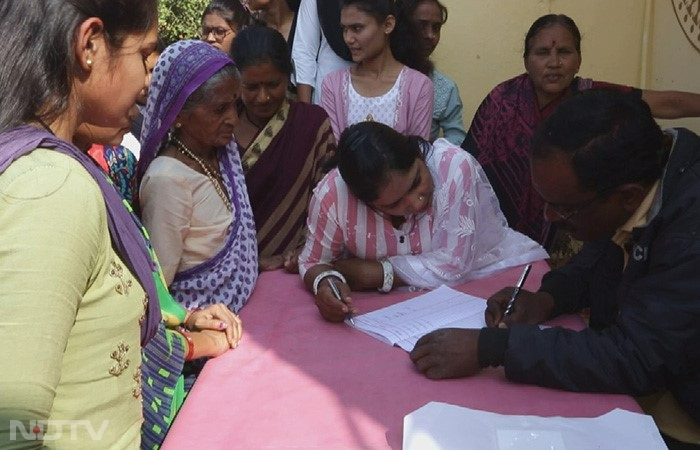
[208, 171]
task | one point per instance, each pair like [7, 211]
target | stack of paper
[439, 426]
[404, 323]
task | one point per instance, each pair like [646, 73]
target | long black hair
[405, 47]
[329, 18]
[37, 40]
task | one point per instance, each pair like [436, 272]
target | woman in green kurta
[78, 293]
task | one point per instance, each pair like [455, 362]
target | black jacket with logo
[644, 333]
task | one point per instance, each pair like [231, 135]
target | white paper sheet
[440, 426]
[404, 323]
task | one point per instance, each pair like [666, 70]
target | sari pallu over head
[228, 277]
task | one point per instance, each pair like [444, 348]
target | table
[298, 382]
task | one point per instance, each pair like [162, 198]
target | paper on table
[404, 323]
[440, 426]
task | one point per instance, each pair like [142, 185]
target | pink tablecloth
[297, 382]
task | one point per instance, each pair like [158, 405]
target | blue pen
[516, 291]
[336, 293]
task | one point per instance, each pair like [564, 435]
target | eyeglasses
[567, 212]
[218, 32]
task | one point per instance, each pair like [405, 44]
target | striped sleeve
[324, 243]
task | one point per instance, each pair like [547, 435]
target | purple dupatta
[228, 277]
[124, 230]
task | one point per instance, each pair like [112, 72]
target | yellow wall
[633, 42]
[674, 63]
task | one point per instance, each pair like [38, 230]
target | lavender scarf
[229, 277]
[124, 230]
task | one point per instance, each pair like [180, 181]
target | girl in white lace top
[388, 84]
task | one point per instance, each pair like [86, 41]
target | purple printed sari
[500, 137]
[229, 276]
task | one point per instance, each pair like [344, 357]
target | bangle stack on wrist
[325, 274]
[388, 281]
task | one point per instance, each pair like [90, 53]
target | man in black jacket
[613, 179]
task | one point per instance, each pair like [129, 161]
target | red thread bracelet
[189, 316]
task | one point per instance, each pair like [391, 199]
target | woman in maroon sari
[501, 132]
[283, 145]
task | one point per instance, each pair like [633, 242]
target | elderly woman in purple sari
[193, 196]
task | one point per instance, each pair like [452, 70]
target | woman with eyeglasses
[400, 211]
[222, 20]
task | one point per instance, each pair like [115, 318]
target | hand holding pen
[516, 291]
[336, 294]
[332, 296]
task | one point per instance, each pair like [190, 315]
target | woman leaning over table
[282, 144]
[401, 211]
[76, 274]
[194, 201]
[501, 132]
[389, 82]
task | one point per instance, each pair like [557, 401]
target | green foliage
[180, 19]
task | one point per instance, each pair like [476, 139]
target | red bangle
[190, 345]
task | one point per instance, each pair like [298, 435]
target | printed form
[404, 323]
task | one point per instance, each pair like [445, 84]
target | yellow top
[69, 313]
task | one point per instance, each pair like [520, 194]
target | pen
[336, 293]
[516, 291]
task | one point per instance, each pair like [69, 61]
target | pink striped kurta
[462, 236]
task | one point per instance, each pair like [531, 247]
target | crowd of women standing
[116, 295]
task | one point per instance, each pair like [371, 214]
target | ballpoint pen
[516, 291]
[336, 293]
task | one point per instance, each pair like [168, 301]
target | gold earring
[178, 125]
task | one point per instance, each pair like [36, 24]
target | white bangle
[388, 270]
[325, 274]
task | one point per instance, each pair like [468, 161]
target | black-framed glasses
[569, 212]
[219, 33]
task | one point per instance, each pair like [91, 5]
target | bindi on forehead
[554, 43]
